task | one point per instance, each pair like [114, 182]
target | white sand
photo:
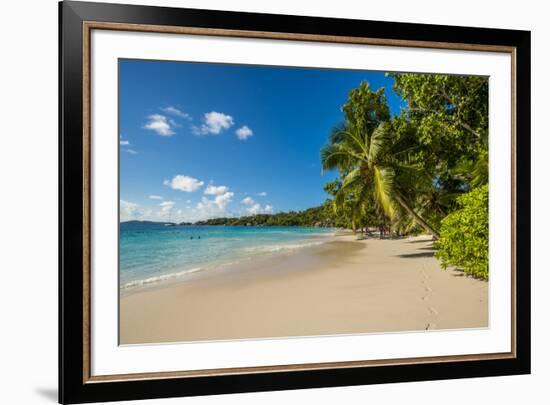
[340, 287]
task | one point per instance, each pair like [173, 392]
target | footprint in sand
[426, 286]
[433, 310]
[428, 290]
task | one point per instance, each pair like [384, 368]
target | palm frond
[362, 201]
[383, 188]
[332, 156]
[378, 143]
[352, 178]
[339, 200]
[356, 141]
[337, 156]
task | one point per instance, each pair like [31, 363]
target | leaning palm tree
[351, 204]
[370, 162]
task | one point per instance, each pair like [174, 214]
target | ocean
[152, 253]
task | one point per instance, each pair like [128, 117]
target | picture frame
[77, 383]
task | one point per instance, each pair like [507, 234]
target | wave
[214, 261]
[157, 279]
[288, 246]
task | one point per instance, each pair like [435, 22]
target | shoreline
[342, 286]
[257, 253]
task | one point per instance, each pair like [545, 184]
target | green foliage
[450, 114]
[365, 108]
[372, 153]
[416, 171]
[464, 240]
[318, 216]
[457, 105]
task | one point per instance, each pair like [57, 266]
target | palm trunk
[418, 219]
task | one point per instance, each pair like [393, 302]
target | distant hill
[314, 217]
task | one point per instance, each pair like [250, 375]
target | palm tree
[370, 163]
[349, 205]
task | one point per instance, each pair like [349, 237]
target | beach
[341, 286]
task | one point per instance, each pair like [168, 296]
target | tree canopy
[412, 171]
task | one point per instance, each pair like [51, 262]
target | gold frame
[88, 26]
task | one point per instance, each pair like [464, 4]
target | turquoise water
[151, 252]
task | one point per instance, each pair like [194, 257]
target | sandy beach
[343, 286]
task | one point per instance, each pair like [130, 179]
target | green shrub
[464, 240]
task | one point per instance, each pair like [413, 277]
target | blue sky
[201, 140]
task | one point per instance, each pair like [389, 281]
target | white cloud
[248, 201]
[177, 112]
[167, 205]
[223, 199]
[130, 151]
[184, 183]
[127, 205]
[214, 123]
[262, 194]
[254, 208]
[243, 133]
[173, 123]
[209, 207]
[257, 209]
[160, 124]
[216, 190]
[124, 143]
[129, 210]
[215, 207]
[165, 212]
[155, 197]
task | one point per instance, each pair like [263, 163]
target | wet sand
[344, 286]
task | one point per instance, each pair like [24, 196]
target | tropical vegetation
[316, 216]
[422, 170]
[463, 240]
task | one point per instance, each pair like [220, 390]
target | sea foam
[159, 279]
[151, 254]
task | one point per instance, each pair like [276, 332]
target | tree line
[317, 216]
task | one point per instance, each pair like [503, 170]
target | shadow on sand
[420, 241]
[416, 255]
